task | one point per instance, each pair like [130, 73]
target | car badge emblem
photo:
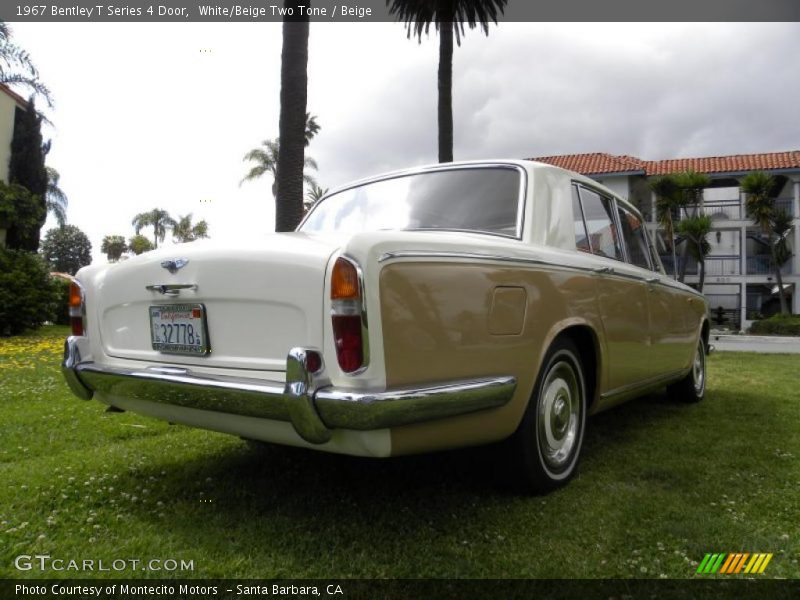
[173, 265]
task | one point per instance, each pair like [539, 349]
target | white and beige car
[435, 308]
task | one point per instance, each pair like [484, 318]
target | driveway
[763, 344]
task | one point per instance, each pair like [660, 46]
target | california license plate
[179, 329]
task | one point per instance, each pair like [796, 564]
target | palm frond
[58, 211]
[312, 128]
[419, 15]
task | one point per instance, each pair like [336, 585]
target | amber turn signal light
[76, 308]
[344, 281]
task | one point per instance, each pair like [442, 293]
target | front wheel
[692, 388]
[546, 446]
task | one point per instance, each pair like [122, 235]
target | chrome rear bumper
[314, 409]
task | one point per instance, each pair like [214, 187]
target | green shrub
[778, 325]
[61, 310]
[28, 296]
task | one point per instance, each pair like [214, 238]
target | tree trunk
[672, 247]
[294, 90]
[684, 260]
[702, 280]
[779, 279]
[446, 92]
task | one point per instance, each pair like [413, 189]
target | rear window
[481, 199]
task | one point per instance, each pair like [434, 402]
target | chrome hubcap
[560, 408]
[699, 368]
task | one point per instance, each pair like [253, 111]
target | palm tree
[55, 199]
[185, 231]
[266, 159]
[760, 189]
[668, 198]
[17, 68]
[695, 229]
[313, 195]
[291, 132]
[158, 219]
[448, 17]
[691, 184]
[114, 247]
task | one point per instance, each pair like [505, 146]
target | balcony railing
[691, 264]
[762, 265]
[786, 205]
[721, 266]
[724, 309]
[718, 211]
[729, 210]
[717, 266]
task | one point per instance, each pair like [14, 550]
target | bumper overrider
[313, 407]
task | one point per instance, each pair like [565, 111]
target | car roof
[529, 165]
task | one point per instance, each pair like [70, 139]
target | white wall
[7, 108]
[618, 185]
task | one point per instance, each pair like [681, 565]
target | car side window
[633, 234]
[581, 237]
[598, 212]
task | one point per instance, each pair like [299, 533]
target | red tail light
[76, 308]
[349, 345]
[346, 315]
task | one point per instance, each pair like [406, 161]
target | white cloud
[161, 114]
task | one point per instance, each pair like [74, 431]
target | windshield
[485, 199]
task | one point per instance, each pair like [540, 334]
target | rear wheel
[692, 388]
[547, 444]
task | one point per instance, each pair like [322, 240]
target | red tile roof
[594, 163]
[601, 163]
[21, 102]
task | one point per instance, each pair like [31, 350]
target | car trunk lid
[260, 299]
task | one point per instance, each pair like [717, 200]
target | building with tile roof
[10, 103]
[740, 282]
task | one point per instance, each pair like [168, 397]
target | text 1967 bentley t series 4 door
[435, 308]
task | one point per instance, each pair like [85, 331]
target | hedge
[28, 296]
[778, 325]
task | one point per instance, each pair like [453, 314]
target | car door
[666, 316]
[622, 294]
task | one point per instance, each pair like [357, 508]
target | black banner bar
[365, 11]
[206, 589]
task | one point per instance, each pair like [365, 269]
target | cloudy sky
[160, 115]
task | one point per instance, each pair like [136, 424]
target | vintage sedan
[434, 308]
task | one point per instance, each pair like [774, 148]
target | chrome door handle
[652, 279]
[171, 289]
[603, 270]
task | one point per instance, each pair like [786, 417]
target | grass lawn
[660, 485]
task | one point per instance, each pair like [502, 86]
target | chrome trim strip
[338, 305]
[171, 289]
[611, 271]
[313, 411]
[642, 384]
[497, 258]
[392, 408]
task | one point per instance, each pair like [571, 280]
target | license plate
[179, 329]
